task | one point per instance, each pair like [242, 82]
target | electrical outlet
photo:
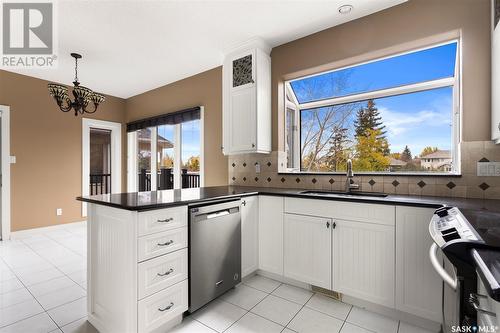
[257, 168]
[59, 211]
[488, 169]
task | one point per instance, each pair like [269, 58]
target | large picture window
[398, 114]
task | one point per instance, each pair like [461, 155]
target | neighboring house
[439, 160]
[395, 164]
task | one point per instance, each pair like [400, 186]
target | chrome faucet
[349, 183]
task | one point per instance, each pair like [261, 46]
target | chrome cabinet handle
[165, 220]
[171, 270]
[168, 307]
[166, 243]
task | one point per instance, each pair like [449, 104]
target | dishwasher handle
[450, 281]
[215, 214]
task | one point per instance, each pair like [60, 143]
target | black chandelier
[83, 95]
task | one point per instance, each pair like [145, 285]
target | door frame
[5, 166]
[116, 155]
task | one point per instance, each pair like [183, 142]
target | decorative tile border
[242, 171]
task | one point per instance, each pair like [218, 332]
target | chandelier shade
[83, 95]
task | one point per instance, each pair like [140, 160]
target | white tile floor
[43, 281]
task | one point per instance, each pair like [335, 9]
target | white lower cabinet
[308, 249]
[271, 234]
[249, 235]
[418, 287]
[363, 261]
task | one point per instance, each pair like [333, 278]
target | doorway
[101, 158]
[5, 172]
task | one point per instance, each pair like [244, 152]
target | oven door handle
[450, 281]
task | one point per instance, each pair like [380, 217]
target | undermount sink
[337, 193]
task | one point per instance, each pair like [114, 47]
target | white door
[249, 235]
[307, 244]
[5, 172]
[363, 261]
[271, 234]
[242, 120]
[418, 287]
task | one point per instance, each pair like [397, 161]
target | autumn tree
[370, 149]
[193, 163]
[428, 150]
[368, 118]
[406, 154]
[337, 154]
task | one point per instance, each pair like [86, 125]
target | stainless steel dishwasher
[215, 251]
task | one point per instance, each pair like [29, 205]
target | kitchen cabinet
[495, 72]
[246, 90]
[363, 260]
[418, 287]
[271, 234]
[249, 235]
[307, 243]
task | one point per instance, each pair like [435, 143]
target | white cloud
[398, 123]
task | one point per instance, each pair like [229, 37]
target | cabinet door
[363, 261]
[308, 249]
[242, 120]
[271, 234]
[249, 235]
[418, 287]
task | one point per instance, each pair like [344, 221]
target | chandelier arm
[95, 109]
[66, 108]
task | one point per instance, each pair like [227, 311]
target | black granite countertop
[483, 215]
[139, 201]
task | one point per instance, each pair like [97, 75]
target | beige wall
[47, 144]
[405, 23]
[202, 89]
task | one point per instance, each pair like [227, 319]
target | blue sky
[417, 120]
[190, 139]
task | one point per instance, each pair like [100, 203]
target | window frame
[455, 82]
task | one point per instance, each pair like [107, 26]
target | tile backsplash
[242, 171]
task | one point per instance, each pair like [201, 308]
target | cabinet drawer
[161, 243]
[162, 220]
[162, 272]
[161, 307]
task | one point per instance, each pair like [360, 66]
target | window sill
[375, 174]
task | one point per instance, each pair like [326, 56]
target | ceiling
[130, 47]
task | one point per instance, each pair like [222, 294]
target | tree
[428, 150]
[368, 119]
[406, 155]
[193, 163]
[337, 154]
[167, 162]
[370, 150]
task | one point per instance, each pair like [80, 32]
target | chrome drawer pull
[171, 270]
[165, 220]
[168, 307]
[166, 243]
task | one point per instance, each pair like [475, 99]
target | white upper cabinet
[418, 287]
[307, 244]
[246, 90]
[495, 74]
[249, 235]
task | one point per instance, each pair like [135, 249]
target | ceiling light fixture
[83, 95]
[345, 9]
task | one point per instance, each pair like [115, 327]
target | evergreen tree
[368, 119]
[406, 155]
[337, 155]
